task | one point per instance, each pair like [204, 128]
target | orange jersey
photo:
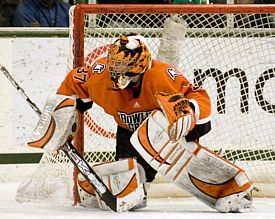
[130, 111]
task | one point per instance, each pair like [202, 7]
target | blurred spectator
[7, 11]
[42, 13]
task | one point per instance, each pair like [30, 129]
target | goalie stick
[113, 202]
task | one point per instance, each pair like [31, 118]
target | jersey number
[81, 74]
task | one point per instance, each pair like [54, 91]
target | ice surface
[167, 208]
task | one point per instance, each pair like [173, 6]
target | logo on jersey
[98, 68]
[136, 105]
[172, 73]
[133, 121]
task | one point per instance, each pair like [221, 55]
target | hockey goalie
[160, 116]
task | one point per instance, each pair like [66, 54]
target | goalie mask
[128, 58]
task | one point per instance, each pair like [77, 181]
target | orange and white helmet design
[128, 57]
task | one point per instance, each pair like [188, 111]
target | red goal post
[228, 49]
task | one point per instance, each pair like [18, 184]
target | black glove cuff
[82, 106]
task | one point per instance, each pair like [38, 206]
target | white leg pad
[121, 177]
[86, 193]
[191, 166]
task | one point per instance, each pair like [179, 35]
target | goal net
[227, 49]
